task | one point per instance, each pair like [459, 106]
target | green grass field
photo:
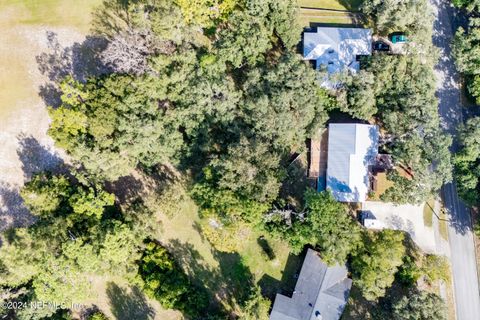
[349, 5]
[266, 261]
[428, 212]
[69, 13]
[309, 15]
[22, 23]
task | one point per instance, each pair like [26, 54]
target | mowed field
[24, 24]
[349, 5]
[335, 12]
[69, 13]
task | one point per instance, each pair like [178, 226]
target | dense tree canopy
[413, 17]
[71, 241]
[399, 90]
[356, 95]
[215, 89]
[466, 50]
[325, 224]
[205, 12]
[374, 265]
[164, 281]
[239, 102]
[420, 305]
[467, 161]
[470, 5]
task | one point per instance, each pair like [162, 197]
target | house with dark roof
[321, 292]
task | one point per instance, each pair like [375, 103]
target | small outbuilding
[321, 292]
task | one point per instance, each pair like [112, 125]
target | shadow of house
[128, 304]
[286, 285]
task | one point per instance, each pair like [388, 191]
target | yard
[346, 5]
[428, 212]
[20, 21]
[332, 12]
[260, 259]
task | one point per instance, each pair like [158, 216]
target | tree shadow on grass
[13, 212]
[127, 189]
[229, 284]
[295, 184]
[271, 286]
[36, 157]
[128, 304]
[80, 61]
[266, 248]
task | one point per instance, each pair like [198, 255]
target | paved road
[467, 295]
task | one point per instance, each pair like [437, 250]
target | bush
[97, 316]
[409, 272]
[164, 281]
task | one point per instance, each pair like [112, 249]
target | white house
[337, 48]
[352, 151]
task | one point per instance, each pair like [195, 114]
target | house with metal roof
[321, 292]
[337, 49]
[352, 152]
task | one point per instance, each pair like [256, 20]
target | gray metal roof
[352, 148]
[337, 48]
[320, 291]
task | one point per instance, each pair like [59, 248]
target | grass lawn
[69, 13]
[118, 300]
[260, 259]
[428, 212]
[382, 185]
[350, 5]
[24, 23]
[443, 227]
[308, 17]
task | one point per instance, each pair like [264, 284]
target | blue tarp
[321, 184]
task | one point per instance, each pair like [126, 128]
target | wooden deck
[318, 155]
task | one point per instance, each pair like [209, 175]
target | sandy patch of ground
[25, 147]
